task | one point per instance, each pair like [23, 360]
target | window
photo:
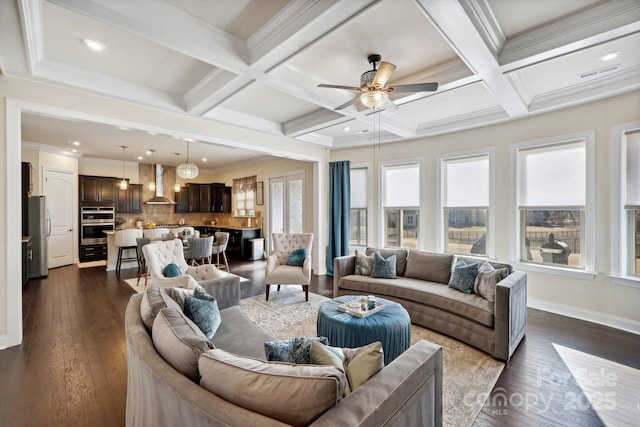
[401, 205]
[359, 204]
[631, 175]
[552, 189]
[245, 203]
[465, 190]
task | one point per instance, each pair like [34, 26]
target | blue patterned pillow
[172, 270]
[464, 277]
[383, 268]
[294, 350]
[297, 257]
[204, 313]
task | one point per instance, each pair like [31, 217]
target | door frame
[267, 198]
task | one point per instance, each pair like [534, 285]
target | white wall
[103, 167]
[600, 300]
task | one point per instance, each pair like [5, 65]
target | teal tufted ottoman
[391, 326]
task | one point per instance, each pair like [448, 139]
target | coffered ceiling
[256, 64]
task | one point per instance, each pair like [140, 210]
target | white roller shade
[401, 186]
[466, 182]
[553, 175]
[633, 170]
[359, 196]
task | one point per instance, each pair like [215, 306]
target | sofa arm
[226, 290]
[272, 262]
[510, 314]
[342, 266]
[406, 392]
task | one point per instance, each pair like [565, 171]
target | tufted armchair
[279, 272]
[159, 254]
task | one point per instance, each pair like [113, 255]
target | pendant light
[123, 183]
[187, 170]
[177, 187]
[152, 184]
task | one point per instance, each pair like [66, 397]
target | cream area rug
[140, 286]
[469, 374]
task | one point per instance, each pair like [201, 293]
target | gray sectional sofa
[422, 288]
[406, 392]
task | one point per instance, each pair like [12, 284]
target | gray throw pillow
[429, 267]
[155, 299]
[295, 350]
[383, 268]
[487, 282]
[401, 257]
[464, 277]
[364, 264]
[203, 311]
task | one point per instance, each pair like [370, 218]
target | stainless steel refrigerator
[39, 230]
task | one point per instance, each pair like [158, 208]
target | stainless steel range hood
[160, 199]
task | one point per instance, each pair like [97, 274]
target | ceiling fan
[374, 85]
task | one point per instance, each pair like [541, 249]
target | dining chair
[200, 249]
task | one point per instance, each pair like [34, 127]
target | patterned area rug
[469, 374]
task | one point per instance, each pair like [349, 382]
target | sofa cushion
[464, 276]
[178, 295]
[364, 264]
[204, 313]
[470, 306]
[428, 266]
[238, 334]
[292, 394]
[383, 268]
[179, 341]
[359, 364]
[401, 257]
[155, 299]
[293, 350]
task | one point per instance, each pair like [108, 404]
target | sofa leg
[306, 292]
[267, 288]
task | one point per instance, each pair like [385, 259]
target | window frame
[588, 241]
[622, 219]
[415, 161]
[367, 209]
[441, 220]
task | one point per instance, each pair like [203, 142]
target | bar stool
[125, 240]
[155, 233]
[141, 241]
[220, 247]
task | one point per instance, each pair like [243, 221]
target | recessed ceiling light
[76, 143]
[140, 157]
[94, 45]
[148, 152]
[204, 159]
[609, 56]
[346, 128]
[73, 150]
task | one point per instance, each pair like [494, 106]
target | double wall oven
[94, 221]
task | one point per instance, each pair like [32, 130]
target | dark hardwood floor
[71, 367]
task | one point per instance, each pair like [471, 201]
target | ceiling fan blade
[348, 103]
[417, 87]
[339, 87]
[383, 74]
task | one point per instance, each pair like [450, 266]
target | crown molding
[33, 33]
[49, 149]
[486, 23]
[211, 89]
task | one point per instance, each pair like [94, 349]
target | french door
[286, 203]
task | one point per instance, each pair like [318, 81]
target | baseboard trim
[585, 314]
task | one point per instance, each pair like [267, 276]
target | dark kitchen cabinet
[130, 200]
[90, 253]
[199, 197]
[182, 200]
[221, 198]
[97, 190]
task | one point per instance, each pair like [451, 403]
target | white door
[286, 204]
[58, 190]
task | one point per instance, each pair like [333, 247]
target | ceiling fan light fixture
[374, 98]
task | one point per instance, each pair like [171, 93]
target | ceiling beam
[459, 30]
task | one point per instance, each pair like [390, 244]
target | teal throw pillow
[297, 257]
[294, 350]
[172, 270]
[383, 268]
[464, 277]
[203, 312]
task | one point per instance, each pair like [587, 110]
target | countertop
[223, 227]
[26, 238]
